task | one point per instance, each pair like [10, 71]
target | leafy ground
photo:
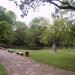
[2, 70]
[64, 58]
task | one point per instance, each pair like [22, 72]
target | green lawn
[2, 70]
[64, 58]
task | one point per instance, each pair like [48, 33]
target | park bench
[11, 51]
[20, 53]
[17, 52]
[2, 48]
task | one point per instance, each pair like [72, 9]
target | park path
[19, 65]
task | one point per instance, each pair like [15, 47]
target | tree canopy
[40, 33]
[25, 5]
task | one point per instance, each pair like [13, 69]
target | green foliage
[5, 33]
[4, 16]
[2, 70]
[11, 16]
[40, 32]
[36, 30]
[20, 34]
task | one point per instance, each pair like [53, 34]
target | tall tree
[12, 16]
[20, 34]
[37, 28]
[6, 33]
[8, 16]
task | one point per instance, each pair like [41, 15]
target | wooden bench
[20, 53]
[11, 51]
[17, 52]
[2, 48]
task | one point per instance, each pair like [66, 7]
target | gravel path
[18, 65]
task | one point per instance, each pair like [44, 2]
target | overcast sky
[44, 11]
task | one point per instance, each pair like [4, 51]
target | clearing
[18, 65]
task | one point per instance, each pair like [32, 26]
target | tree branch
[67, 6]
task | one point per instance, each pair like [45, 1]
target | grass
[2, 70]
[64, 59]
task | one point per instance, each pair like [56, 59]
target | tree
[3, 16]
[12, 16]
[6, 33]
[20, 34]
[25, 5]
[8, 16]
[36, 30]
[58, 34]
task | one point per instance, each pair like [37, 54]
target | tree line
[40, 33]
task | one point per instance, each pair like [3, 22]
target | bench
[20, 53]
[17, 53]
[11, 51]
[2, 48]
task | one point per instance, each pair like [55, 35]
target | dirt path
[18, 65]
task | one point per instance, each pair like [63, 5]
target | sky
[44, 11]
